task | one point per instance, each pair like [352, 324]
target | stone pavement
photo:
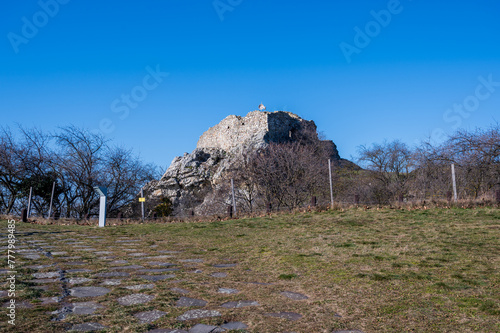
[85, 278]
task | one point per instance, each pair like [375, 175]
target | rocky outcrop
[255, 131]
[194, 181]
[191, 179]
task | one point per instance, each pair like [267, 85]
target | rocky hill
[193, 181]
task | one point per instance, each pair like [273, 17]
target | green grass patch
[385, 270]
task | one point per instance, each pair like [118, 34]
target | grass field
[384, 270]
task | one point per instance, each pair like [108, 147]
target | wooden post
[356, 199]
[232, 191]
[51, 198]
[24, 215]
[331, 183]
[230, 211]
[313, 201]
[455, 196]
[448, 196]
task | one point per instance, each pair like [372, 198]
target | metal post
[29, 203]
[51, 198]
[455, 196]
[232, 190]
[331, 184]
[142, 204]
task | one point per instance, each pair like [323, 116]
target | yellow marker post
[142, 200]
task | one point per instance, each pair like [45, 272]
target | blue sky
[72, 63]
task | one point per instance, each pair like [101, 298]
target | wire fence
[314, 205]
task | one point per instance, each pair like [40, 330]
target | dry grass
[385, 270]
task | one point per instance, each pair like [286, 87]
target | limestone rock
[194, 182]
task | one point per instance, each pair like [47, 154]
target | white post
[29, 202]
[455, 196]
[51, 198]
[142, 204]
[331, 184]
[234, 201]
[103, 192]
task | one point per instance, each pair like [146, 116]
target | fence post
[313, 201]
[29, 203]
[269, 207]
[455, 196]
[448, 196]
[51, 199]
[24, 215]
[356, 199]
[331, 183]
[232, 192]
[230, 211]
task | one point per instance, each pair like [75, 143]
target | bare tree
[477, 155]
[390, 165]
[245, 176]
[125, 174]
[11, 169]
[75, 160]
[39, 168]
[80, 163]
[288, 174]
[432, 172]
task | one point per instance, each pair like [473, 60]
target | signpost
[103, 192]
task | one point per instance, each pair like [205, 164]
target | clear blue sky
[400, 84]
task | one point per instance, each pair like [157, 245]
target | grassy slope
[380, 270]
